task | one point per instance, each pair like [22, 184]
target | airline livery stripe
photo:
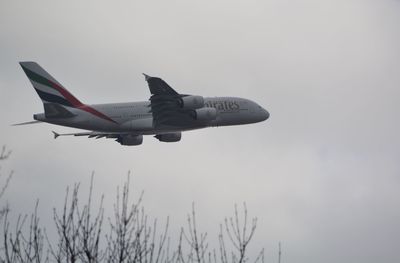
[45, 88]
[42, 80]
[65, 98]
[53, 98]
[95, 112]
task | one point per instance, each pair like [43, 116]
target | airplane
[165, 115]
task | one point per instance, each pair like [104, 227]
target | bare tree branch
[23, 248]
[237, 234]
[4, 155]
[133, 236]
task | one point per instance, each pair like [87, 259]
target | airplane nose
[266, 114]
[263, 114]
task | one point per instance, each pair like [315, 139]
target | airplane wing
[159, 87]
[92, 134]
[165, 105]
[124, 138]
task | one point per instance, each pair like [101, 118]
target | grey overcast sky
[322, 174]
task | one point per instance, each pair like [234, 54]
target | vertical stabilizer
[47, 87]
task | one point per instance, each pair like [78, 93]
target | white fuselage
[137, 118]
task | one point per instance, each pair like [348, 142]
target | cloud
[321, 174]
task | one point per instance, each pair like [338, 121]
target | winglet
[55, 134]
[146, 76]
[158, 86]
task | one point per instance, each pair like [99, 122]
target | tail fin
[49, 89]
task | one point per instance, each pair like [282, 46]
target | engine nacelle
[191, 102]
[130, 139]
[205, 114]
[169, 137]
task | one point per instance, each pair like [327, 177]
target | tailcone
[39, 117]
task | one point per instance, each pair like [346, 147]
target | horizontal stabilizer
[26, 123]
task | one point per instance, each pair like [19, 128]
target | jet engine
[191, 102]
[205, 114]
[169, 137]
[130, 139]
